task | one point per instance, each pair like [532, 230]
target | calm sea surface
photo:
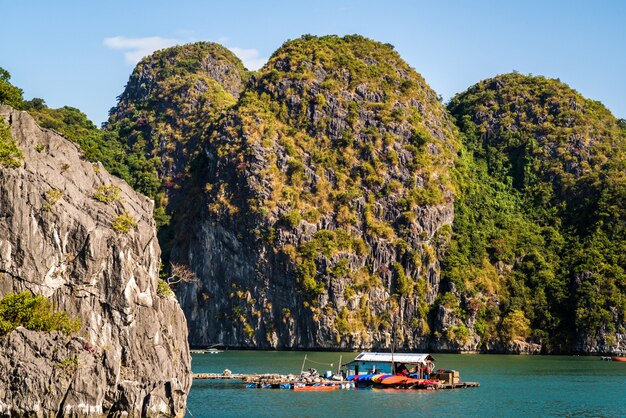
[522, 386]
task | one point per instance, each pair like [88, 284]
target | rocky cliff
[84, 239]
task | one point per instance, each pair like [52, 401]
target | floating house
[391, 363]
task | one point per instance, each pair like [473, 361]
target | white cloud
[251, 58]
[137, 48]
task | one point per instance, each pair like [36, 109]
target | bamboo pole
[304, 361]
[393, 343]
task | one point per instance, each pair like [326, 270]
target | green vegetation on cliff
[547, 226]
[315, 84]
[34, 312]
[10, 154]
[9, 94]
[70, 122]
[502, 261]
[98, 145]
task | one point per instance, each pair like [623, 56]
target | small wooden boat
[379, 377]
[209, 350]
[394, 380]
[304, 388]
[615, 358]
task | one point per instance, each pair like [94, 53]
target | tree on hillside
[9, 94]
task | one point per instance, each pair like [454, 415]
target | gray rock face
[131, 355]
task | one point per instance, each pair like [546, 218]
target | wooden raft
[278, 379]
[269, 378]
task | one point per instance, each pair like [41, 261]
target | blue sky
[81, 53]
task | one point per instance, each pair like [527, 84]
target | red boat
[615, 358]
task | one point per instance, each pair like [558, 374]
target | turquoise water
[510, 386]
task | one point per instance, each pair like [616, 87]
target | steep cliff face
[85, 240]
[552, 267]
[326, 204]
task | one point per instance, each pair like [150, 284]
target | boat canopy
[410, 358]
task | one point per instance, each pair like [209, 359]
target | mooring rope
[317, 362]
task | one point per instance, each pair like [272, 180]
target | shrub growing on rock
[123, 223]
[10, 154]
[107, 194]
[35, 313]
